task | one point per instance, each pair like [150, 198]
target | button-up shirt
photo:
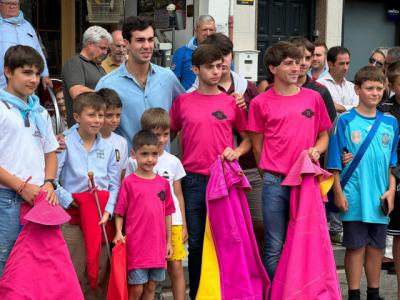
[75, 162]
[161, 88]
[109, 65]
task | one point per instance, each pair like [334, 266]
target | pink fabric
[206, 123]
[39, 267]
[242, 274]
[145, 203]
[290, 124]
[306, 269]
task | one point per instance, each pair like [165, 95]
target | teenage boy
[145, 205]
[87, 151]
[112, 118]
[371, 186]
[275, 118]
[212, 115]
[28, 162]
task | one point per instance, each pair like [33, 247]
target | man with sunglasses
[15, 30]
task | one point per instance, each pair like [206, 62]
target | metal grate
[105, 11]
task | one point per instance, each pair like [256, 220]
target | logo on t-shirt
[161, 195]
[100, 153]
[219, 115]
[165, 174]
[356, 137]
[308, 113]
[385, 139]
[117, 155]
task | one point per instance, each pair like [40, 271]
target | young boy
[87, 151]
[206, 117]
[283, 121]
[28, 162]
[145, 202]
[112, 118]
[169, 166]
[370, 185]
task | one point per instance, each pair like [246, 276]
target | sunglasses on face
[375, 63]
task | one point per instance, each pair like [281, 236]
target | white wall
[334, 24]
[244, 27]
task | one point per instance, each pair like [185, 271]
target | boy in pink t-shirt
[145, 202]
[206, 119]
[283, 121]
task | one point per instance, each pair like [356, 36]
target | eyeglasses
[9, 3]
[376, 63]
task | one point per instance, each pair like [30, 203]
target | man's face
[209, 74]
[9, 8]
[118, 48]
[22, 81]
[341, 66]
[141, 47]
[305, 62]
[287, 71]
[319, 58]
[204, 30]
[99, 50]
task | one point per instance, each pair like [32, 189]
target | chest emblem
[308, 113]
[219, 115]
[385, 139]
[356, 137]
[161, 195]
[117, 155]
[165, 175]
[100, 154]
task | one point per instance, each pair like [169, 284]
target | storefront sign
[245, 2]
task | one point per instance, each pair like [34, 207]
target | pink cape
[242, 274]
[306, 269]
[39, 266]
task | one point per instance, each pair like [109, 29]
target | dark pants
[194, 192]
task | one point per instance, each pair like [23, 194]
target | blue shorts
[142, 276]
[357, 234]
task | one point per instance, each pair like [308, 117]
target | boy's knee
[135, 291]
[175, 270]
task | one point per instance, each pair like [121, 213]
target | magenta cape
[306, 269]
[241, 272]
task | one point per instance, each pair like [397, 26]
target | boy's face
[163, 137]
[22, 81]
[305, 62]
[112, 118]
[209, 74]
[395, 86]
[370, 92]
[287, 71]
[226, 65]
[90, 120]
[146, 157]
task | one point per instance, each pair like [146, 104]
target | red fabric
[118, 284]
[91, 230]
[39, 267]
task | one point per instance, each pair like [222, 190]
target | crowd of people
[123, 112]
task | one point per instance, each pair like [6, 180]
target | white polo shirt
[22, 148]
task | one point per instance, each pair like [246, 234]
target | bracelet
[23, 185]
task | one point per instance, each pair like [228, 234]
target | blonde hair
[154, 118]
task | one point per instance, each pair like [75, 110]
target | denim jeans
[194, 192]
[10, 204]
[275, 200]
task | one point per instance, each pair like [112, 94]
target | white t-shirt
[121, 150]
[23, 148]
[171, 168]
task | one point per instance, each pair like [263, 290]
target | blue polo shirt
[370, 180]
[162, 87]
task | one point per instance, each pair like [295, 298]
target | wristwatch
[52, 181]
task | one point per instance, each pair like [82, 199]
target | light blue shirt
[162, 87]
[324, 72]
[14, 34]
[75, 162]
[370, 180]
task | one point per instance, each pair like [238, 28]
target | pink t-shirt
[145, 203]
[206, 123]
[290, 124]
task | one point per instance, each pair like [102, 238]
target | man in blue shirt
[139, 83]
[182, 59]
[14, 30]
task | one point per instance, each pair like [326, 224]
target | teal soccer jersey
[371, 177]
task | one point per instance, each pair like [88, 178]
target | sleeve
[113, 182]
[63, 195]
[73, 73]
[177, 87]
[324, 122]
[393, 156]
[175, 115]
[256, 121]
[240, 119]
[330, 106]
[125, 154]
[179, 172]
[122, 201]
[50, 142]
[131, 166]
[169, 202]
[337, 142]
[177, 60]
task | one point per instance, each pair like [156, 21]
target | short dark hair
[221, 41]
[278, 52]
[333, 53]
[393, 72]
[206, 54]
[134, 23]
[369, 73]
[321, 44]
[88, 99]
[301, 41]
[20, 55]
[155, 118]
[143, 138]
[110, 98]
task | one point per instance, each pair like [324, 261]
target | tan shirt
[108, 65]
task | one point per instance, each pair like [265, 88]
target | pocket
[188, 181]
[6, 200]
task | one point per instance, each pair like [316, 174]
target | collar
[77, 136]
[330, 78]
[123, 70]
[109, 61]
